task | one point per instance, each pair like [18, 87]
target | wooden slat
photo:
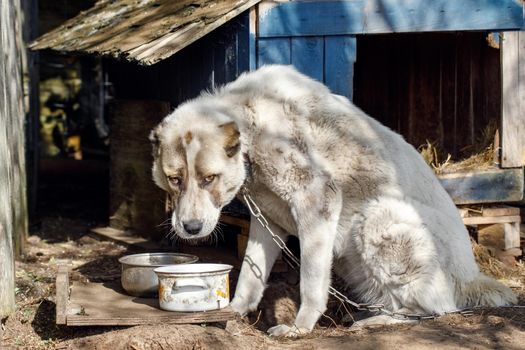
[483, 220]
[500, 211]
[182, 318]
[489, 186]
[274, 51]
[513, 99]
[512, 235]
[300, 18]
[253, 38]
[106, 304]
[62, 294]
[340, 55]
[308, 56]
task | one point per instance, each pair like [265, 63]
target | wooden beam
[62, 294]
[252, 40]
[305, 18]
[485, 220]
[488, 186]
[513, 99]
[512, 235]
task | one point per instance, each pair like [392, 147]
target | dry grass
[480, 153]
[497, 269]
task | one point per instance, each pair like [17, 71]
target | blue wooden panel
[300, 18]
[340, 54]
[276, 50]
[490, 186]
[307, 56]
[253, 51]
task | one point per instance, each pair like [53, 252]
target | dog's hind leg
[259, 258]
[400, 253]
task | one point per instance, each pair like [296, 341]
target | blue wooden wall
[318, 37]
[389, 16]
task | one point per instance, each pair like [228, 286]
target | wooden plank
[252, 37]
[274, 51]
[307, 55]
[500, 211]
[106, 304]
[512, 235]
[483, 220]
[62, 294]
[340, 55]
[303, 18]
[139, 31]
[488, 186]
[299, 18]
[513, 99]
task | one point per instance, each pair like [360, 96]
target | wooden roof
[143, 31]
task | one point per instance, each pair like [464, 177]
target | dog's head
[198, 161]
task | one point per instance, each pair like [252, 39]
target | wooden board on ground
[106, 304]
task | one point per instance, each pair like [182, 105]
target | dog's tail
[484, 291]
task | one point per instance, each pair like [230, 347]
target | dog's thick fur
[358, 197]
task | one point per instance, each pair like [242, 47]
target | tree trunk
[13, 209]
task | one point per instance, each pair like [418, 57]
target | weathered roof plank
[146, 31]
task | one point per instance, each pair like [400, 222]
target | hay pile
[480, 155]
[488, 264]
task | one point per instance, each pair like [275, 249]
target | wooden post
[13, 211]
[513, 99]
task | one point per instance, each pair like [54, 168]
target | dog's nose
[192, 227]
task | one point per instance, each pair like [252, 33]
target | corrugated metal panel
[145, 31]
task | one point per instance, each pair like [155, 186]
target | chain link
[294, 263]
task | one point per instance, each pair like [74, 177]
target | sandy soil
[58, 240]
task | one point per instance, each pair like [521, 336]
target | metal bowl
[138, 278]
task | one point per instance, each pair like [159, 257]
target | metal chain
[294, 263]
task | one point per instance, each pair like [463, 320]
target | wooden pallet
[106, 304]
[509, 216]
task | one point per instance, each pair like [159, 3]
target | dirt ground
[59, 240]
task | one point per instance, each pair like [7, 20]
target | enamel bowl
[194, 287]
[138, 278]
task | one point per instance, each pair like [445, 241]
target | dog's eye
[209, 179]
[174, 180]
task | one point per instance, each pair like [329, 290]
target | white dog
[357, 196]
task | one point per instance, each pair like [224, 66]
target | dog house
[445, 71]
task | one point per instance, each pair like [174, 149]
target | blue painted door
[329, 59]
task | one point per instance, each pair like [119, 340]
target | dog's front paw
[283, 330]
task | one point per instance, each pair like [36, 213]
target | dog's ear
[155, 140]
[232, 144]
